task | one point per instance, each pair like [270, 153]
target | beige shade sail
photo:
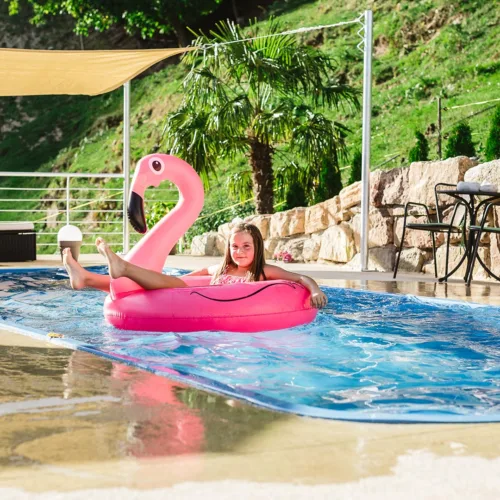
[88, 72]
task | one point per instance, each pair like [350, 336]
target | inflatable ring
[241, 307]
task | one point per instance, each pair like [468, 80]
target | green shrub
[157, 211]
[493, 142]
[419, 152]
[330, 183]
[356, 167]
[295, 196]
[460, 142]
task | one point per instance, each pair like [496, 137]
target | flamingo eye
[156, 165]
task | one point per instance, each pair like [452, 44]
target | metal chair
[437, 226]
[475, 239]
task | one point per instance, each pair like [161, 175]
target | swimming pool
[369, 356]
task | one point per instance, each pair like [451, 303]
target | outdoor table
[473, 202]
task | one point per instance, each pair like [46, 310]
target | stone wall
[330, 231]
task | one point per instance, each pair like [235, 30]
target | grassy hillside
[422, 50]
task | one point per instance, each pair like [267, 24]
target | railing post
[68, 180]
[367, 111]
[440, 154]
[126, 163]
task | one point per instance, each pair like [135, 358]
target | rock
[220, 244]
[428, 267]
[337, 244]
[412, 260]
[262, 222]
[495, 254]
[287, 223]
[381, 229]
[294, 246]
[270, 247]
[297, 217]
[278, 225]
[379, 259]
[316, 218]
[447, 216]
[495, 246]
[225, 229]
[413, 237]
[424, 175]
[395, 211]
[350, 196]
[199, 245]
[389, 187]
[207, 244]
[333, 210]
[486, 172]
[310, 250]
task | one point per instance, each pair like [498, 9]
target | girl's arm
[206, 271]
[318, 298]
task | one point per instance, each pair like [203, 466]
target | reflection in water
[103, 410]
[171, 427]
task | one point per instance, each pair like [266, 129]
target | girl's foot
[76, 272]
[117, 266]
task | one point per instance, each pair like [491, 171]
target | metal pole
[367, 111]
[67, 199]
[439, 128]
[126, 163]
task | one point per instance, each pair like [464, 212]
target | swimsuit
[228, 279]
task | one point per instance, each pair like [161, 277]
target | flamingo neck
[152, 250]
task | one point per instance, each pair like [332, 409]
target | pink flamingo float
[243, 307]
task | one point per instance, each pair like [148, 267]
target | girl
[243, 261]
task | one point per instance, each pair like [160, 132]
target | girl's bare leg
[80, 278]
[149, 280]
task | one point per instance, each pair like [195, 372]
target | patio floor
[78, 425]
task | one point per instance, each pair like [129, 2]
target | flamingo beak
[136, 213]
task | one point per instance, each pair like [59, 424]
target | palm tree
[259, 98]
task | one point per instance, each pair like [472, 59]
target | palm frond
[239, 185]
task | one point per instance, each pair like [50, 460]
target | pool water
[368, 356]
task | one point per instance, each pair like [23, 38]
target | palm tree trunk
[263, 177]
[180, 31]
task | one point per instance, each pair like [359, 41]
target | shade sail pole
[367, 111]
[126, 164]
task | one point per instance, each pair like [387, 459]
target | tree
[419, 152]
[460, 142]
[259, 98]
[356, 168]
[146, 17]
[493, 141]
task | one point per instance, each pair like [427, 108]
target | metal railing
[75, 200]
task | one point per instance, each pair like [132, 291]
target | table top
[474, 193]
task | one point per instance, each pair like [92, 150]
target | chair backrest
[457, 211]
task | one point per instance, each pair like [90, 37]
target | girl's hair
[257, 268]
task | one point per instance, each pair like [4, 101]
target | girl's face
[242, 249]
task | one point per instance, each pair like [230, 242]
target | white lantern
[69, 233]
[70, 237]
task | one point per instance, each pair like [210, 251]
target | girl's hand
[318, 299]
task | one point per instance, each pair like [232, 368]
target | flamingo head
[150, 172]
